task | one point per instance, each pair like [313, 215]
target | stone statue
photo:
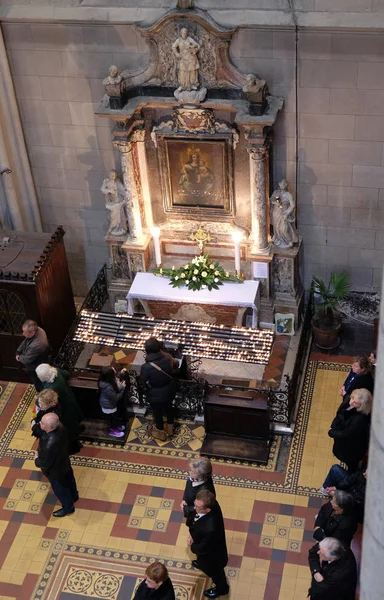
[185, 49]
[253, 84]
[115, 199]
[283, 216]
[112, 83]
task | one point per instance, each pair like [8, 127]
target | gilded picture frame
[196, 175]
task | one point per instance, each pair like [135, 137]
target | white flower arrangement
[201, 273]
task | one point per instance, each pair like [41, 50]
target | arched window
[12, 312]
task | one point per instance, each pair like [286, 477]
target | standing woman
[360, 376]
[200, 478]
[111, 400]
[156, 377]
[350, 429]
[58, 381]
[47, 401]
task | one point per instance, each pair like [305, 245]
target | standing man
[33, 351]
[53, 459]
[207, 540]
[334, 573]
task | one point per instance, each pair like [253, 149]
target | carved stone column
[18, 194]
[373, 539]
[257, 156]
[133, 206]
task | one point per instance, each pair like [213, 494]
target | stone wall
[57, 71]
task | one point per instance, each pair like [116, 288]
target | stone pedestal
[261, 272]
[138, 255]
[126, 260]
[287, 289]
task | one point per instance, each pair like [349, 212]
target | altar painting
[197, 175]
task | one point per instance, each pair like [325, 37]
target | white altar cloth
[147, 286]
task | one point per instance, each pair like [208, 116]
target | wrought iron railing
[281, 401]
[97, 296]
[293, 383]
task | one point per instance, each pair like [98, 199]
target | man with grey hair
[333, 569]
[33, 351]
[53, 459]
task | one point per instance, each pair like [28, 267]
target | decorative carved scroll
[195, 121]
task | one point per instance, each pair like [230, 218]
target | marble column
[257, 156]
[138, 137]
[19, 200]
[373, 538]
[133, 206]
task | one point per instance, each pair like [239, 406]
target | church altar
[152, 290]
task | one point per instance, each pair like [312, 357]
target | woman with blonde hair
[47, 402]
[58, 381]
[350, 429]
[200, 478]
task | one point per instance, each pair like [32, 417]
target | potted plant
[326, 322]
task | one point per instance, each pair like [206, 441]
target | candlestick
[236, 236]
[155, 231]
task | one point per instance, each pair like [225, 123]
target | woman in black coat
[156, 585]
[47, 401]
[200, 478]
[360, 376]
[336, 519]
[156, 378]
[350, 429]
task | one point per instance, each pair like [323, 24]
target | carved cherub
[253, 84]
[113, 78]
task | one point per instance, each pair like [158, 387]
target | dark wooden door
[12, 316]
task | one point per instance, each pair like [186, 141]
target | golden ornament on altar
[201, 237]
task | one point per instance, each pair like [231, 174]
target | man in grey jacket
[32, 352]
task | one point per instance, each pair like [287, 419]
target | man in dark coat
[334, 573]
[156, 378]
[337, 519]
[33, 351]
[355, 484]
[53, 459]
[207, 540]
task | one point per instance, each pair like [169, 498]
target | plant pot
[326, 339]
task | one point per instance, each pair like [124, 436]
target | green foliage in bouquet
[202, 272]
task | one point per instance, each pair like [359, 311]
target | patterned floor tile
[128, 513]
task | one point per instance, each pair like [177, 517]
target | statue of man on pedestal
[115, 200]
[283, 216]
[185, 49]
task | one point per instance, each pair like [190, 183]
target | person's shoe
[159, 434]
[75, 498]
[195, 565]
[323, 492]
[116, 433]
[62, 513]
[120, 428]
[169, 429]
[213, 593]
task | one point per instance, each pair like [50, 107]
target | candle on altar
[236, 236]
[155, 231]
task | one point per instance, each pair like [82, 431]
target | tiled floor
[128, 512]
